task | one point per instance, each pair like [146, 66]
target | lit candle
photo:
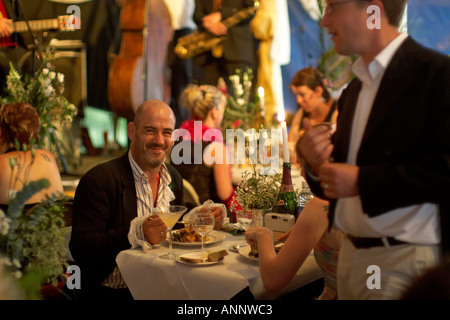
[285, 142]
[261, 101]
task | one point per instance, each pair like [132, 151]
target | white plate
[235, 247]
[214, 237]
[195, 255]
[244, 251]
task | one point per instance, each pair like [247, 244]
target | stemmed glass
[170, 215]
[203, 223]
[245, 220]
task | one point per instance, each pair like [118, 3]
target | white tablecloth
[151, 278]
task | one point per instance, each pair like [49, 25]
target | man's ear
[131, 130]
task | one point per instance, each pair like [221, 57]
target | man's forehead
[157, 115]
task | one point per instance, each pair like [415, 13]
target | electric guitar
[61, 23]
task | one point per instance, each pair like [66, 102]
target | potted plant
[257, 192]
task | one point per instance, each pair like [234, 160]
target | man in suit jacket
[113, 194]
[239, 46]
[386, 170]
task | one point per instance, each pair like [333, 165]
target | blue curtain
[306, 48]
[429, 23]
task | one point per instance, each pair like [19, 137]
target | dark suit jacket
[240, 44]
[104, 205]
[404, 157]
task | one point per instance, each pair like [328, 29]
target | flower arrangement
[44, 92]
[33, 248]
[257, 190]
[240, 112]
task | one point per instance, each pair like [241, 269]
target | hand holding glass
[170, 215]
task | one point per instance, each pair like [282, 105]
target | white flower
[16, 263]
[46, 82]
[52, 75]
[48, 91]
[60, 77]
[4, 223]
[239, 90]
[234, 79]
[45, 71]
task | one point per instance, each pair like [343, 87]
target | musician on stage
[12, 47]
[239, 47]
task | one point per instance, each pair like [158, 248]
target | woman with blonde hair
[19, 124]
[211, 177]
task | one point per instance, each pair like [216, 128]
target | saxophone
[201, 41]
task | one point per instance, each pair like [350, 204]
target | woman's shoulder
[29, 154]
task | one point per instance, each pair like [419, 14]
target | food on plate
[188, 235]
[205, 257]
[218, 255]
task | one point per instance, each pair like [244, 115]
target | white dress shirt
[181, 13]
[145, 208]
[417, 224]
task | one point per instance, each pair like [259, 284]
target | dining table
[150, 277]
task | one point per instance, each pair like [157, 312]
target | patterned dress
[327, 258]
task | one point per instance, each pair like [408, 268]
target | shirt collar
[380, 63]
[164, 177]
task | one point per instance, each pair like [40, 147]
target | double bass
[127, 79]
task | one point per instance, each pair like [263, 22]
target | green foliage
[32, 243]
[44, 92]
[257, 190]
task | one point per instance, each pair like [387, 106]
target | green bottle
[287, 199]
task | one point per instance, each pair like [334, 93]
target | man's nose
[324, 22]
[159, 138]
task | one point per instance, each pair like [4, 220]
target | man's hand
[154, 229]
[212, 23]
[339, 180]
[314, 146]
[218, 215]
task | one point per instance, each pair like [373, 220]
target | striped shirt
[145, 206]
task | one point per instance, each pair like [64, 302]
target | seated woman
[310, 231]
[209, 174]
[315, 103]
[20, 122]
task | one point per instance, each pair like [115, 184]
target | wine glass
[203, 223]
[170, 215]
[245, 221]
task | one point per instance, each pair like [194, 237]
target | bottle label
[286, 188]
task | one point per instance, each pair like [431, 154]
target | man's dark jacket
[404, 158]
[105, 203]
